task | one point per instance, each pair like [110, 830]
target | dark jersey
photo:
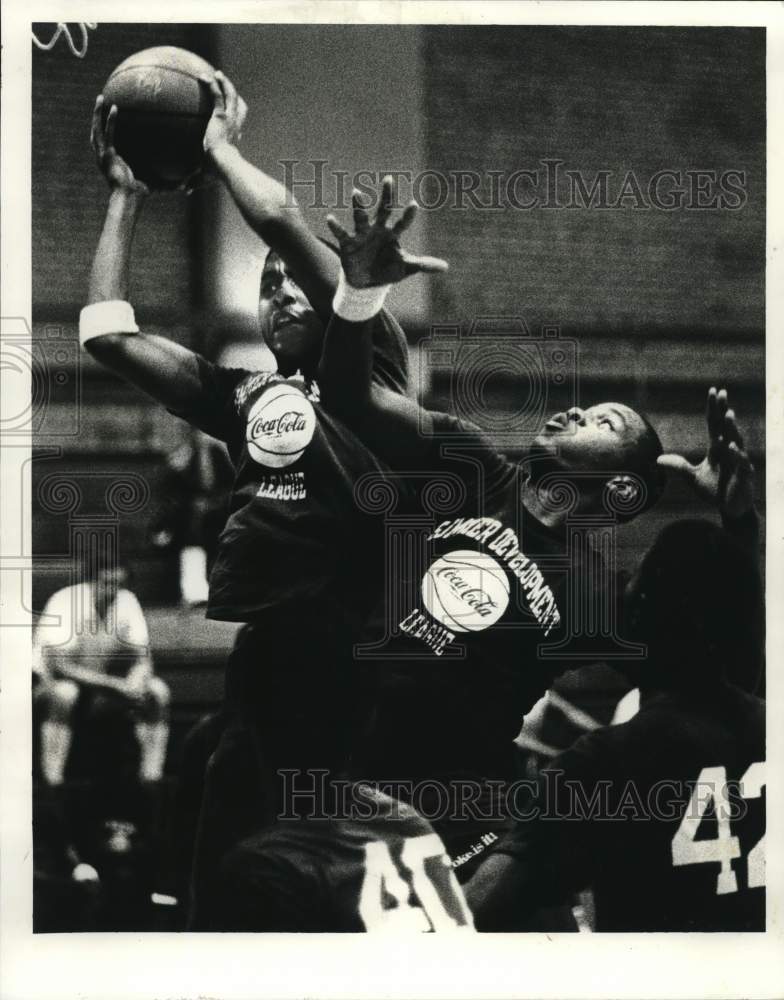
[383, 869]
[663, 816]
[479, 623]
[294, 538]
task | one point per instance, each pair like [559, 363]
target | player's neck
[540, 506]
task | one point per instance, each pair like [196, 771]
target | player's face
[288, 324]
[599, 439]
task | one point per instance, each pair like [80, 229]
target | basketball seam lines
[169, 69]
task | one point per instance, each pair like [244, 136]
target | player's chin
[291, 343]
[545, 443]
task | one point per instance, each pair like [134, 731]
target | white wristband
[101, 318]
[358, 304]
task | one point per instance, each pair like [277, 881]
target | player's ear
[623, 493]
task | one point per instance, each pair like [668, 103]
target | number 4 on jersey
[724, 847]
[383, 883]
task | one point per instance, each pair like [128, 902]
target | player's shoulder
[68, 596]
[385, 807]
[128, 601]
[288, 849]
[659, 718]
[127, 595]
[446, 429]
[722, 714]
[719, 705]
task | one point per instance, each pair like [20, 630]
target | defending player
[663, 815]
[505, 598]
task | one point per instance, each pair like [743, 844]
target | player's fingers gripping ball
[466, 591]
[163, 110]
[280, 426]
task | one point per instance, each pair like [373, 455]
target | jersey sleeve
[390, 353]
[465, 450]
[212, 409]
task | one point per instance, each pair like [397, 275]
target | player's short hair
[698, 605]
[642, 462]
[274, 253]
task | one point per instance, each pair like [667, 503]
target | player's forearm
[270, 210]
[496, 893]
[345, 370]
[163, 369]
[389, 423]
[166, 371]
[109, 276]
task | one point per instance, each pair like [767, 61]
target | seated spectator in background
[662, 816]
[91, 653]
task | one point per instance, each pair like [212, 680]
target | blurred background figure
[92, 657]
[197, 479]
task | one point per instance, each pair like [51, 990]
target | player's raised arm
[725, 476]
[266, 204]
[166, 371]
[372, 260]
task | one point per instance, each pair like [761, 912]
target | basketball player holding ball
[477, 643]
[295, 561]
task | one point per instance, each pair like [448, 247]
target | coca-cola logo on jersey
[294, 420]
[466, 591]
[474, 597]
[281, 424]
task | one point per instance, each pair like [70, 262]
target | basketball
[162, 113]
[466, 591]
[280, 426]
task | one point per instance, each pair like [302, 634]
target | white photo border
[129, 966]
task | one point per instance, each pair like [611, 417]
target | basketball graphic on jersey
[466, 591]
[280, 426]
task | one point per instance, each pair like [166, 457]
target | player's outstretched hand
[228, 112]
[114, 168]
[373, 254]
[725, 477]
